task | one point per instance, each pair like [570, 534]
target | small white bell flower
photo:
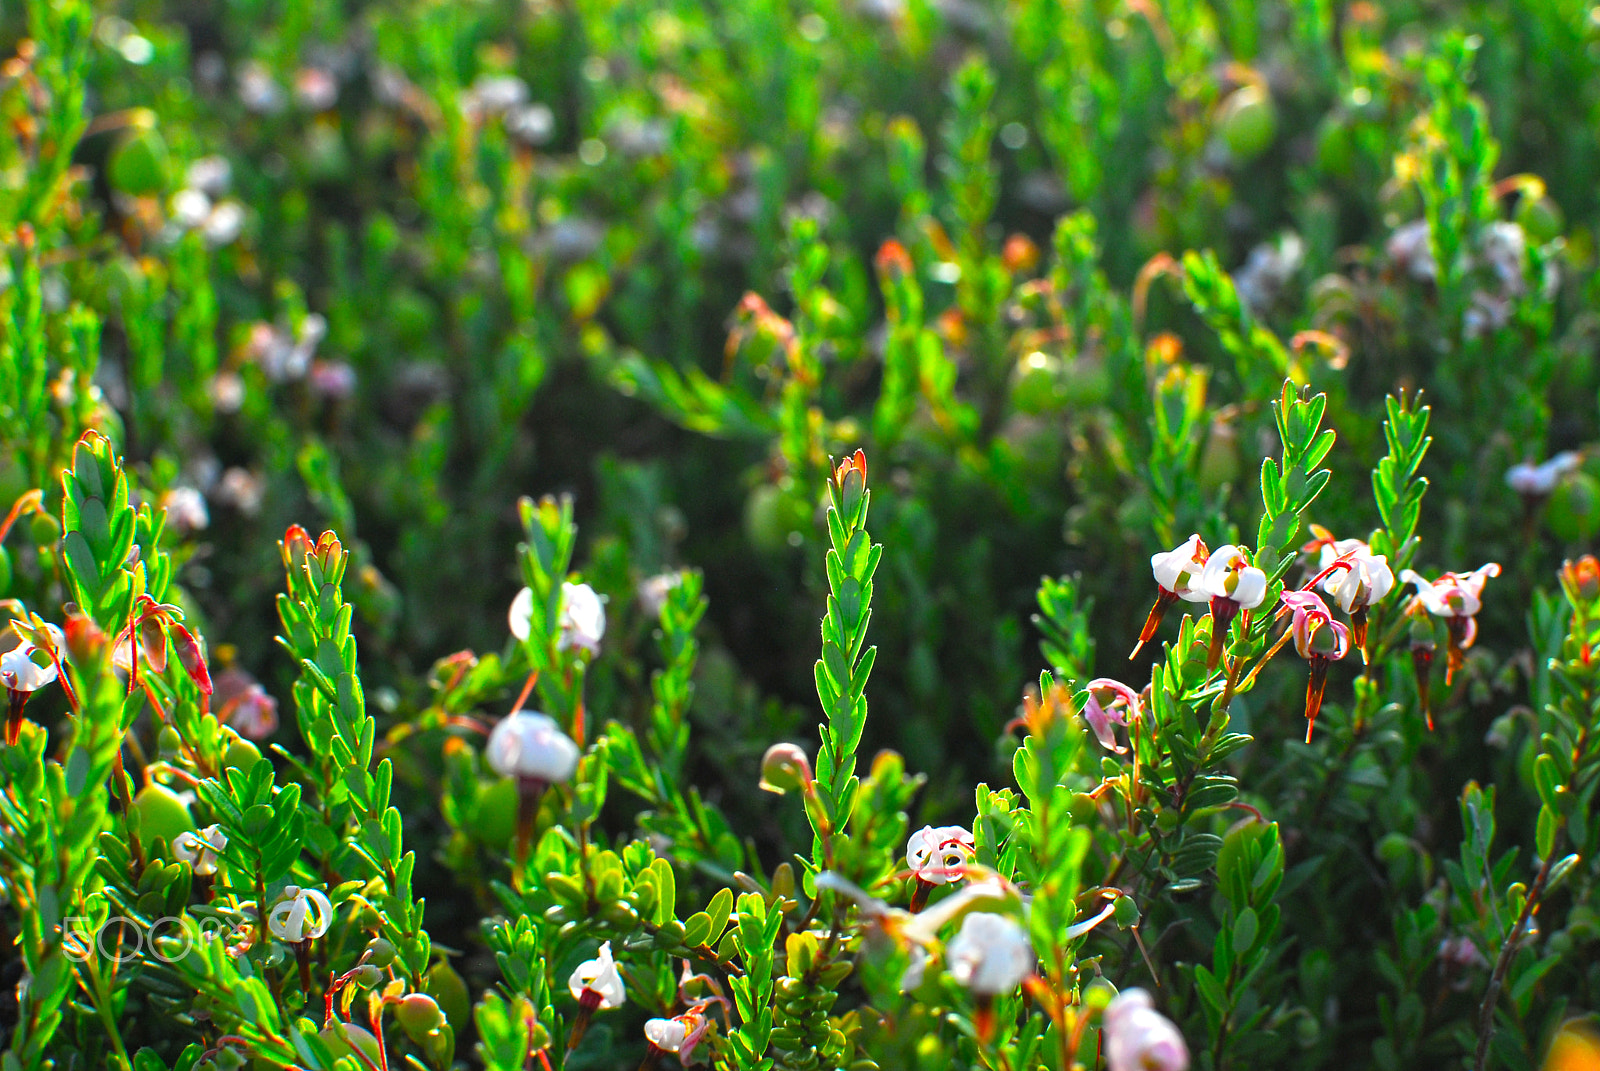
[666, 1034]
[200, 850]
[531, 746]
[583, 619]
[990, 955]
[1139, 1038]
[303, 915]
[596, 983]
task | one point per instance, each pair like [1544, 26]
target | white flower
[582, 622]
[1177, 570]
[1411, 250]
[186, 509]
[521, 616]
[1139, 1038]
[303, 915]
[533, 124]
[1505, 247]
[494, 94]
[211, 175]
[190, 207]
[937, 856]
[583, 619]
[530, 745]
[599, 977]
[315, 89]
[1453, 594]
[654, 591]
[20, 673]
[258, 92]
[224, 224]
[200, 850]
[916, 969]
[990, 955]
[666, 1034]
[1367, 581]
[1540, 480]
[1229, 575]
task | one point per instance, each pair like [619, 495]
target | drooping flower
[1177, 572]
[597, 982]
[1108, 703]
[531, 746]
[1456, 597]
[937, 856]
[24, 670]
[200, 850]
[245, 705]
[1419, 628]
[302, 915]
[583, 619]
[1320, 640]
[784, 767]
[667, 1035]
[299, 918]
[1536, 481]
[1136, 1037]
[990, 954]
[1365, 580]
[1232, 584]
[596, 985]
[679, 1035]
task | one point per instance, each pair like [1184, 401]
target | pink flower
[1320, 640]
[1108, 703]
[1139, 1038]
[1457, 598]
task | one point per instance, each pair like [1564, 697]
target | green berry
[1573, 513]
[343, 1039]
[1248, 122]
[162, 815]
[139, 164]
[418, 1015]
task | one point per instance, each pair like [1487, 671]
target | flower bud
[1581, 580]
[783, 768]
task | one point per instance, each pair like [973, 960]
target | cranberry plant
[325, 749]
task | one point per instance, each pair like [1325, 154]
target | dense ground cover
[565, 323]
